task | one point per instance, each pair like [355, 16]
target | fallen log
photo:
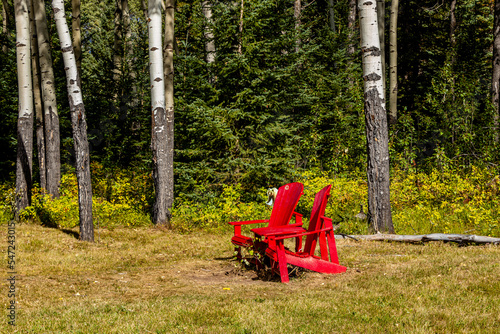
[462, 239]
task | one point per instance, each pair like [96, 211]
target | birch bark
[240, 28]
[161, 215]
[78, 122]
[297, 10]
[209, 34]
[379, 206]
[24, 160]
[77, 36]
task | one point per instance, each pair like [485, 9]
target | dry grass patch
[148, 280]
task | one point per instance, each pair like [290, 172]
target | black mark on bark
[372, 77]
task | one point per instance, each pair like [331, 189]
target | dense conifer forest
[265, 94]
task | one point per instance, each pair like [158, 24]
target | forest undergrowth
[442, 201]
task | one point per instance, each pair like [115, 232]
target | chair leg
[322, 246]
[282, 262]
[237, 249]
[298, 244]
[334, 258]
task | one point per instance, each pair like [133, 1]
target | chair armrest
[248, 222]
[280, 230]
[237, 225]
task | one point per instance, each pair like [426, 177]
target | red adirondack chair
[320, 229]
[284, 208]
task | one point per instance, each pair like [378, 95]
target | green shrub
[63, 212]
[445, 201]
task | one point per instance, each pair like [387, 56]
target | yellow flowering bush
[124, 207]
[7, 197]
[445, 201]
[348, 193]
[214, 215]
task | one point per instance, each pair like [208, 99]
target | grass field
[148, 280]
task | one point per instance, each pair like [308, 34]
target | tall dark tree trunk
[24, 161]
[131, 96]
[78, 122]
[297, 12]
[168, 71]
[393, 63]
[381, 34]
[351, 27]
[331, 15]
[495, 80]
[118, 43]
[453, 24]
[6, 19]
[144, 8]
[377, 139]
[453, 43]
[39, 130]
[50, 115]
[76, 33]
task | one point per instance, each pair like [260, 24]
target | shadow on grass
[48, 221]
[75, 234]
[263, 273]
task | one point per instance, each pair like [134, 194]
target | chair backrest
[318, 210]
[286, 200]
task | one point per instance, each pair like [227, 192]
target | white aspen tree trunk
[37, 95]
[50, 115]
[78, 122]
[24, 160]
[393, 63]
[161, 215]
[77, 36]
[240, 29]
[209, 35]
[351, 23]
[5, 25]
[495, 78]
[331, 15]
[297, 11]
[168, 71]
[379, 205]
[118, 44]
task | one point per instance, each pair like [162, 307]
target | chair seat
[277, 230]
[241, 240]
